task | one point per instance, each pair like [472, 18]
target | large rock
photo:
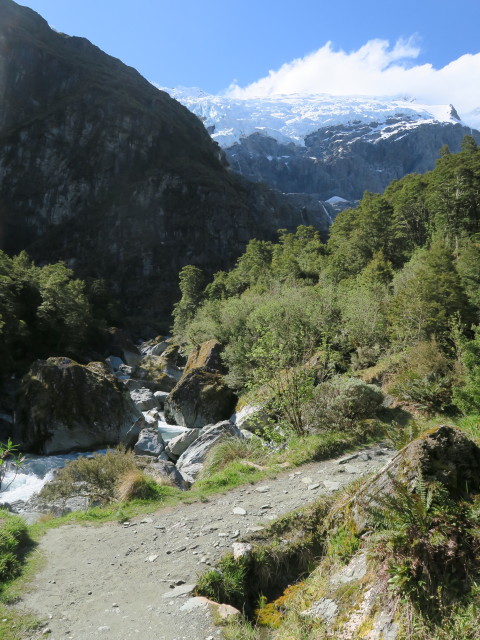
[201, 397]
[122, 347]
[191, 462]
[443, 454]
[250, 418]
[65, 406]
[149, 443]
[157, 373]
[180, 444]
[207, 355]
[144, 399]
[164, 470]
[154, 347]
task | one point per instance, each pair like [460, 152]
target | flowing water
[36, 471]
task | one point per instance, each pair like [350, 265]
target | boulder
[154, 347]
[114, 362]
[207, 355]
[150, 443]
[144, 399]
[173, 357]
[250, 417]
[191, 462]
[170, 431]
[161, 396]
[166, 470]
[443, 454]
[64, 406]
[178, 445]
[201, 397]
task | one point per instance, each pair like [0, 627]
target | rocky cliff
[344, 160]
[101, 169]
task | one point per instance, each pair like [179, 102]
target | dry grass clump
[135, 485]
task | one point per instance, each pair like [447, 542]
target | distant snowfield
[289, 118]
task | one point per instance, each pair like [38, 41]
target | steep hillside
[103, 170]
[330, 146]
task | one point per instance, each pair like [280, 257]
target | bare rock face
[65, 406]
[201, 397]
[191, 462]
[96, 162]
[345, 159]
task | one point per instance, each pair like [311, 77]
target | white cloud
[376, 69]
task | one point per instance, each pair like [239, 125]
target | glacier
[290, 118]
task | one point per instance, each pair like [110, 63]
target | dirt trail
[120, 582]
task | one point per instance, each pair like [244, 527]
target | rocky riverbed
[136, 579]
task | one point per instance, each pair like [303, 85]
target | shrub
[424, 378]
[429, 542]
[13, 538]
[341, 402]
[97, 476]
[226, 584]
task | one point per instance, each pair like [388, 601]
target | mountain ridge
[327, 146]
[102, 170]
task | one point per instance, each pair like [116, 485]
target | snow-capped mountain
[290, 118]
[326, 146]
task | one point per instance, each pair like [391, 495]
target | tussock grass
[232, 450]
[136, 485]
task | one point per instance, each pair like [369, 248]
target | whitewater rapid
[36, 471]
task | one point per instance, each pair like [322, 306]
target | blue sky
[212, 43]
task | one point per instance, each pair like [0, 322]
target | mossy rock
[207, 354]
[157, 373]
[65, 406]
[200, 398]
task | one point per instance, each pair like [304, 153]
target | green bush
[13, 539]
[341, 402]
[424, 378]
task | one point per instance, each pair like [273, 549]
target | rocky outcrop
[207, 354]
[181, 443]
[191, 462]
[166, 472]
[345, 160]
[64, 406]
[149, 443]
[119, 345]
[144, 399]
[101, 169]
[201, 397]
[442, 455]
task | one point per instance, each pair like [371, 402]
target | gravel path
[119, 582]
